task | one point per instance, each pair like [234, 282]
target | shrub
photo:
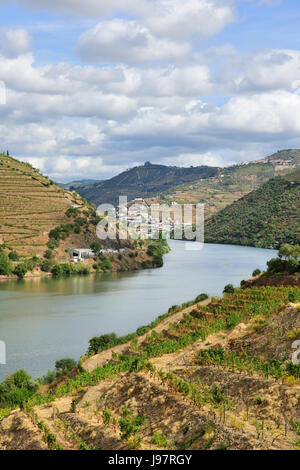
[46, 265]
[6, 266]
[65, 365]
[50, 377]
[201, 297]
[13, 256]
[17, 389]
[20, 270]
[292, 266]
[67, 269]
[159, 439]
[276, 265]
[100, 343]
[48, 254]
[57, 270]
[256, 272]
[106, 265]
[294, 334]
[72, 211]
[228, 289]
[96, 247]
[52, 244]
[55, 233]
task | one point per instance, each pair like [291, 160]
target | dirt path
[99, 359]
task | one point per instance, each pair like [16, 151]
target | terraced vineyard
[265, 218]
[231, 183]
[30, 206]
[219, 377]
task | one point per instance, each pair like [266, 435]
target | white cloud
[151, 97]
[126, 41]
[177, 18]
[90, 8]
[273, 69]
[14, 42]
[194, 159]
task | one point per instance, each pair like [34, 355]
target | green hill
[232, 182]
[142, 181]
[264, 218]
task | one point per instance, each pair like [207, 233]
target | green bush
[17, 389]
[228, 289]
[256, 272]
[20, 270]
[13, 256]
[100, 343]
[65, 365]
[46, 265]
[106, 265]
[57, 270]
[55, 233]
[48, 254]
[96, 247]
[6, 266]
[201, 297]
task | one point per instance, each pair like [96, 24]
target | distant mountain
[264, 218]
[232, 182]
[74, 185]
[143, 181]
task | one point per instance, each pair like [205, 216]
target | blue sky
[92, 90]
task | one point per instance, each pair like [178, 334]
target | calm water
[42, 320]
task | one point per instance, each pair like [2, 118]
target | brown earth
[259, 416]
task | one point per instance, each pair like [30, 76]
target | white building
[80, 254]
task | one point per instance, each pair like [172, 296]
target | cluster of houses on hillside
[153, 218]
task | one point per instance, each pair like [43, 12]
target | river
[45, 319]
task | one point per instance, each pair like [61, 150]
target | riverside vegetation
[210, 374]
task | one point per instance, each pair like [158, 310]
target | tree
[96, 247]
[20, 270]
[289, 251]
[64, 365]
[256, 272]
[6, 266]
[101, 343]
[228, 289]
[13, 256]
[57, 270]
[48, 254]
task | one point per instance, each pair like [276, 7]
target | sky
[91, 88]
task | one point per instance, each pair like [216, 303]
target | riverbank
[45, 319]
[98, 360]
[144, 255]
[208, 379]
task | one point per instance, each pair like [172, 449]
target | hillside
[265, 218]
[142, 181]
[232, 183]
[30, 206]
[208, 375]
[74, 185]
[39, 221]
